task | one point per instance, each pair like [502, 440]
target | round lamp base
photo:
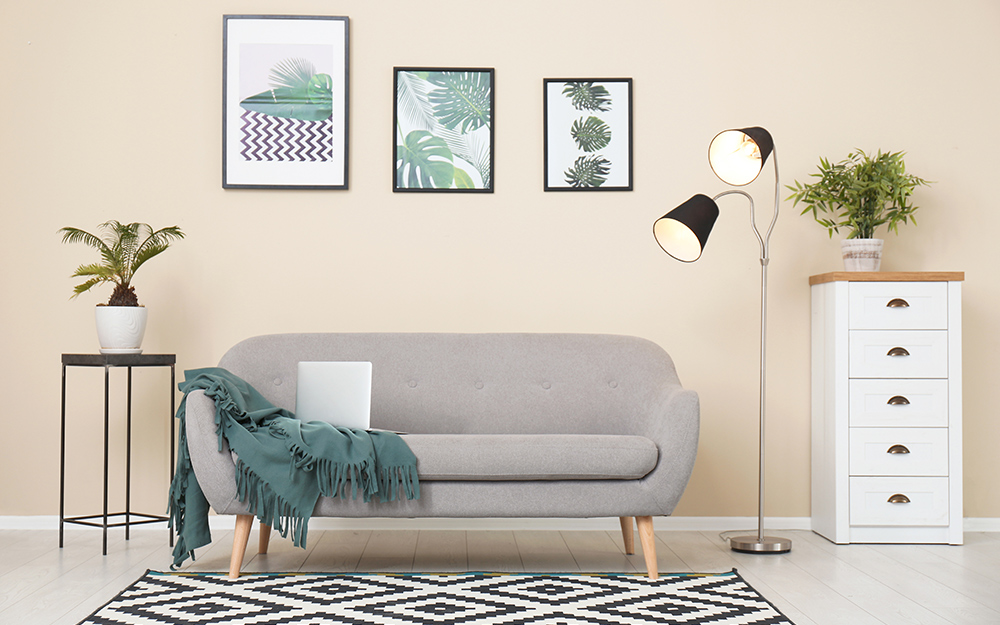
[752, 544]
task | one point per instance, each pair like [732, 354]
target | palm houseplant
[123, 248]
[861, 194]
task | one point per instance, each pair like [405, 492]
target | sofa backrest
[478, 383]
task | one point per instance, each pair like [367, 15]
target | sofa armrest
[674, 426]
[214, 469]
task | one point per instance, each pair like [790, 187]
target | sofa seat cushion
[507, 457]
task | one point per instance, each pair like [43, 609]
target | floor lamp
[737, 158]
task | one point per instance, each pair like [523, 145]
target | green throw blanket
[284, 464]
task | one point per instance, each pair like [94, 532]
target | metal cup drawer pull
[898, 303]
[897, 351]
[898, 449]
[898, 498]
[898, 400]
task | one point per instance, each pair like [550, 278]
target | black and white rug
[430, 599]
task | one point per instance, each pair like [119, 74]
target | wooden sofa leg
[244, 523]
[648, 541]
[627, 535]
[265, 538]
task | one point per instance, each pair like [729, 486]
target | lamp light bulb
[748, 149]
[735, 157]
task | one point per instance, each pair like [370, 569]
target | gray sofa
[502, 425]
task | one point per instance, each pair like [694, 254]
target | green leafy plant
[297, 92]
[588, 171]
[123, 249]
[586, 96]
[860, 193]
[590, 134]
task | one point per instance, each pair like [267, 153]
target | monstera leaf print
[586, 96]
[297, 92]
[588, 171]
[590, 134]
[424, 161]
[461, 100]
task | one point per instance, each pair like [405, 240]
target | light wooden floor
[817, 583]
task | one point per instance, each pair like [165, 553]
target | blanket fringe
[269, 507]
[335, 479]
[391, 479]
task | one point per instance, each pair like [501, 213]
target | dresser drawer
[898, 403]
[927, 501]
[898, 354]
[897, 306]
[918, 451]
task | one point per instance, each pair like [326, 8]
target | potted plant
[124, 248]
[860, 193]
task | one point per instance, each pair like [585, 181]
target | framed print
[443, 130]
[588, 134]
[284, 102]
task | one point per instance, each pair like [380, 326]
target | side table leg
[62, 458]
[128, 454]
[107, 394]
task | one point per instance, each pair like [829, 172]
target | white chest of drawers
[887, 407]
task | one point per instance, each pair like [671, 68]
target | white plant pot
[861, 254]
[120, 328]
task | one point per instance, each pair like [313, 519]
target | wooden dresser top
[888, 276]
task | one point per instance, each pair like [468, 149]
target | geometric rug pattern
[430, 599]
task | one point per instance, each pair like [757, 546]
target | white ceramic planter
[120, 328]
[861, 254]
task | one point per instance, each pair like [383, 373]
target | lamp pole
[761, 543]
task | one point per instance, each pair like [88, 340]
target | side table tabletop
[108, 361]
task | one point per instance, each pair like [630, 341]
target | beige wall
[111, 110]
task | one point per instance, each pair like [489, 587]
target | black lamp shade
[737, 156]
[682, 232]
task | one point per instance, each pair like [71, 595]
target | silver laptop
[339, 393]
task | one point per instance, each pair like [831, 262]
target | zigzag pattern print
[270, 138]
[438, 599]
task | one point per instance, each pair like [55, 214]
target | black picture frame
[285, 101]
[443, 130]
[587, 134]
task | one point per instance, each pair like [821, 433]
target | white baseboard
[678, 523]
[29, 522]
[981, 524]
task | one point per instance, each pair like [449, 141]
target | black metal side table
[108, 361]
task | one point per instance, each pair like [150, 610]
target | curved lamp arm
[765, 239]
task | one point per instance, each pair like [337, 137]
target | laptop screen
[339, 393]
